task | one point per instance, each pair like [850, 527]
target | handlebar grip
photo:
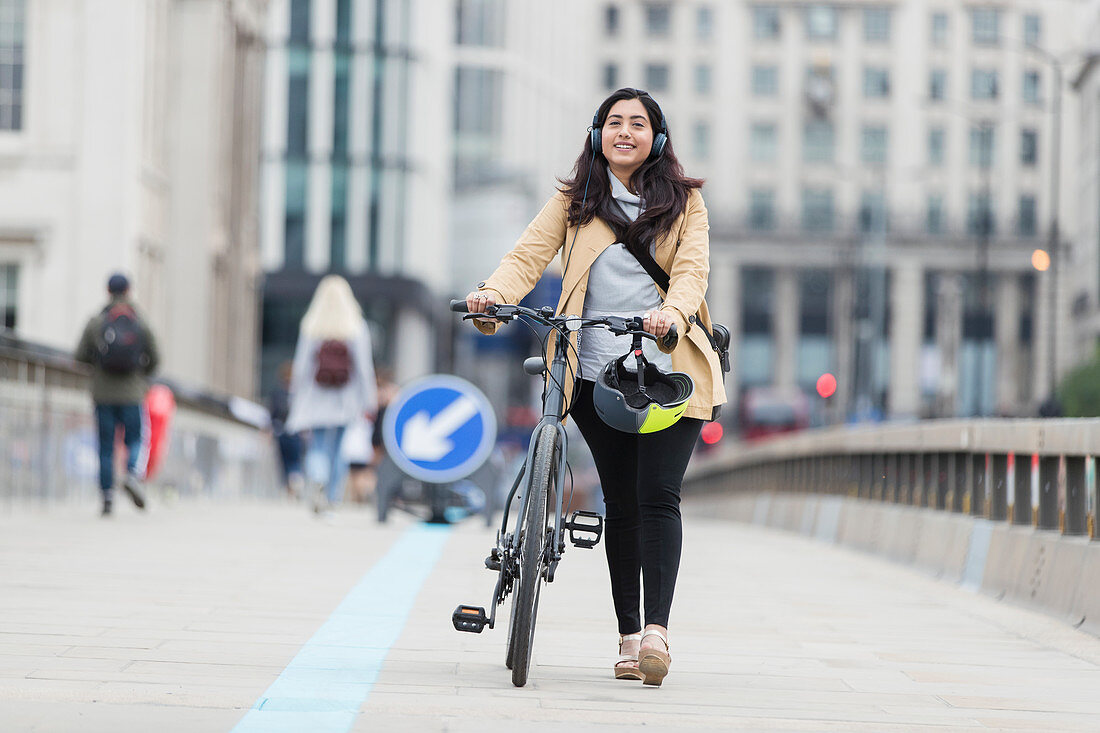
[671, 338]
[459, 306]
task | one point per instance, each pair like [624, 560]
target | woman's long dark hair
[660, 182]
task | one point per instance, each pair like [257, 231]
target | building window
[762, 209]
[299, 22]
[1030, 89]
[873, 144]
[937, 85]
[478, 100]
[704, 23]
[340, 96]
[480, 23]
[611, 20]
[821, 23]
[818, 140]
[610, 76]
[765, 22]
[872, 212]
[338, 224]
[1026, 222]
[983, 84]
[820, 88]
[294, 232]
[11, 64]
[934, 220]
[658, 20]
[701, 140]
[981, 146]
[817, 210]
[1029, 148]
[763, 142]
[765, 81]
[1032, 29]
[702, 79]
[297, 113]
[939, 29]
[9, 295]
[936, 147]
[979, 215]
[986, 25]
[656, 77]
[876, 25]
[876, 83]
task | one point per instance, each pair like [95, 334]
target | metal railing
[48, 444]
[1026, 472]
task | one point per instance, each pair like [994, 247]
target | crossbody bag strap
[662, 279]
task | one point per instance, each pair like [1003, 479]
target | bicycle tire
[531, 554]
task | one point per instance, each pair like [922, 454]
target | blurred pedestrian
[122, 350]
[289, 444]
[332, 384]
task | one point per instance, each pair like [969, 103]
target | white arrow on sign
[425, 438]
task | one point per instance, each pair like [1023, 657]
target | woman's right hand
[479, 300]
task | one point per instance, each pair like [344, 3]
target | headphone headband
[659, 140]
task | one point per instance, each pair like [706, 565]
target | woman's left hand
[657, 322]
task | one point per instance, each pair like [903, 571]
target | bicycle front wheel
[532, 553]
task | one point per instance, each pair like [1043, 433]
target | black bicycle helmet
[655, 404]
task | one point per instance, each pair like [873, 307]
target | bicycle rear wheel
[532, 554]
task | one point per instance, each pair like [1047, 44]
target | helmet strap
[637, 347]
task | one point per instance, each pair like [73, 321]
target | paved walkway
[184, 618]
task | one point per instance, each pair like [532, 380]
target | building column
[906, 330]
[949, 314]
[844, 335]
[785, 334]
[1006, 324]
[724, 301]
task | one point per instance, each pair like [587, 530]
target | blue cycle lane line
[325, 685]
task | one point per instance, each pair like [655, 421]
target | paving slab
[182, 619]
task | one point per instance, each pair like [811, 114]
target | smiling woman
[626, 212]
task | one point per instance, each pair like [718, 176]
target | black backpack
[121, 343]
[333, 364]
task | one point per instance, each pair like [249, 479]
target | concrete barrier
[1038, 569]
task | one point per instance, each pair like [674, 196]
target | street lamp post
[1054, 241]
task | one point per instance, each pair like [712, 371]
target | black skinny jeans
[641, 477]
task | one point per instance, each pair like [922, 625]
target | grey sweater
[618, 285]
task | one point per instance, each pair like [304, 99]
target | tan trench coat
[684, 253]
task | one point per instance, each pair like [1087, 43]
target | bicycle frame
[553, 407]
[504, 557]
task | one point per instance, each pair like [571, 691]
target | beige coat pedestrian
[684, 253]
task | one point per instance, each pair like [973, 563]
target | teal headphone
[659, 140]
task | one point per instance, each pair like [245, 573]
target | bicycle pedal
[469, 618]
[585, 529]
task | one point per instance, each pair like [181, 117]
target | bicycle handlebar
[619, 325]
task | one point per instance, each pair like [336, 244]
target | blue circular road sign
[439, 429]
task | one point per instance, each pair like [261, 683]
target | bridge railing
[1027, 472]
[48, 445]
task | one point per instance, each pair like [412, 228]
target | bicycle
[528, 555]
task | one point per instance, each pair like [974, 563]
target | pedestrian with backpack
[332, 384]
[122, 351]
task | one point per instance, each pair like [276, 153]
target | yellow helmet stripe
[658, 418]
